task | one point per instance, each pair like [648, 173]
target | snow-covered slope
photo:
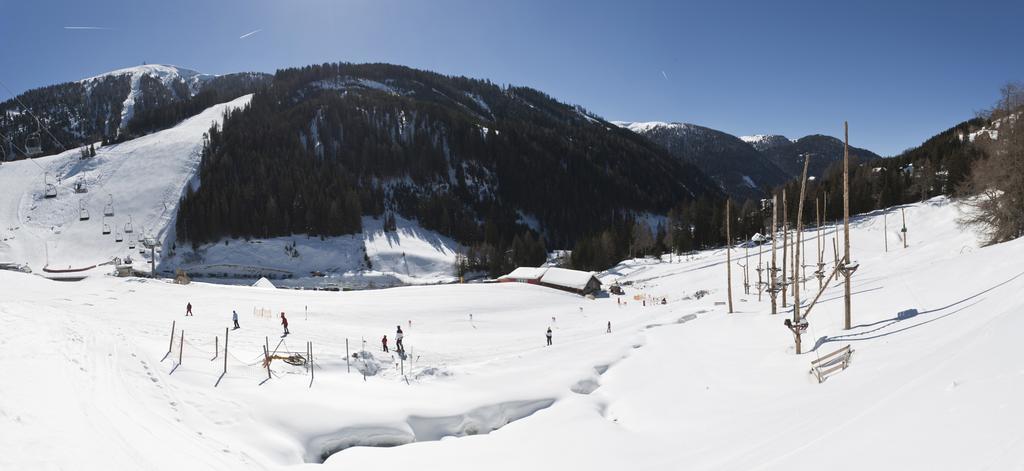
[933, 383]
[144, 179]
[372, 258]
[166, 74]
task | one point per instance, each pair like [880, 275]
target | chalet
[524, 275]
[574, 281]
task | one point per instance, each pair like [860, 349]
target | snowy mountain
[151, 83]
[116, 105]
[737, 166]
[763, 142]
[108, 374]
[141, 182]
[476, 162]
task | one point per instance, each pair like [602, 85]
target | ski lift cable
[38, 121]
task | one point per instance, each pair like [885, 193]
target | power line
[39, 122]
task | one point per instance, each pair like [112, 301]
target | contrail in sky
[88, 27]
[663, 74]
[250, 33]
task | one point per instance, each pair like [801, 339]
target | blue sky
[898, 71]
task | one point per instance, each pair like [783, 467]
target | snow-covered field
[88, 382]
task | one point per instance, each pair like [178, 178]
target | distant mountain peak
[763, 142]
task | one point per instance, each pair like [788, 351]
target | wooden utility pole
[820, 273]
[760, 284]
[848, 268]
[773, 272]
[728, 254]
[796, 255]
[746, 270]
[885, 229]
[904, 229]
[785, 244]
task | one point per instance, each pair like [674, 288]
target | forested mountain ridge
[738, 168]
[824, 151]
[326, 144]
[114, 106]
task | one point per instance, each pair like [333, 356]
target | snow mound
[264, 283]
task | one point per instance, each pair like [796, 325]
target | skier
[188, 310]
[399, 347]
[234, 318]
[384, 343]
[609, 327]
[549, 336]
[284, 322]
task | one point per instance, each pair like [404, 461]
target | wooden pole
[760, 285]
[225, 350]
[216, 348]
[266, 359]
[885, 229]
[746, 270]
[904, 229]
[170, 347]
[772, 273]
[820, 273]
[181, 346]
[785, 244]
[799, 237]
[348, 366]
[728, 253]
[846, 225]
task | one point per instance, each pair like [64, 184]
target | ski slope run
[143, 178]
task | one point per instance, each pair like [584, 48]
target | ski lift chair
[33, 144]
[106, 227]
[80, 186]
[50, 191]
[118, 237]
[128, 225]
[83, 213]
[108, 210]
[131, 244]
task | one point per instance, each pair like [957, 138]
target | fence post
[181, 345]
[266, 360]
[348, 366]
[170, 346]
[312, 367]
[225, 350]
[216, 347]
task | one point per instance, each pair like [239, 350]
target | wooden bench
[832, 363]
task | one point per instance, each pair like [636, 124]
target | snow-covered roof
[263, 283]
[525, 273]
[567, 278]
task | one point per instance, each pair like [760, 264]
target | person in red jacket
[384, 343]
[188, 309]
[284, 322]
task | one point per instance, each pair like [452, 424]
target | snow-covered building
[579, 282]
[524, 275]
